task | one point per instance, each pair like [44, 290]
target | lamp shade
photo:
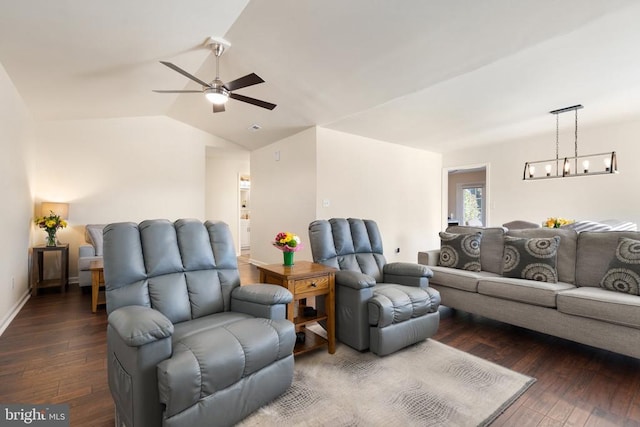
[60, 209]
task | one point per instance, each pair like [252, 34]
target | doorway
[466, 195]
[245, 214]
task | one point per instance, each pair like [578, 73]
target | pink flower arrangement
[287, 242]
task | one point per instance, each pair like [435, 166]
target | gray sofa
[576, 308]
[186, 344]
[91, 251]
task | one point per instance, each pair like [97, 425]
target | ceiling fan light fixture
[217, 95]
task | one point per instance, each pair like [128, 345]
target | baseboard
[256, 262]
[14, 311]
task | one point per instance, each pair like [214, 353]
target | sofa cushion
[84, 262]
[458, 279]
[490, 247]
[533, 259]
[601, 304]
[522, 290]
[461, 251]
[595, 250]
[566, 259]
[93, 235]
[623, 274]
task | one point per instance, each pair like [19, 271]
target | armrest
[354, 279]
[407, 269]
[429, 257]
[262, 294]
[137, 325]
[261, 300]
[86, 251]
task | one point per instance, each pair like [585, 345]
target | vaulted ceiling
[425, 73]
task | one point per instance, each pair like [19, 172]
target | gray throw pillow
[533, 259]
[623, 274]
[461, 251]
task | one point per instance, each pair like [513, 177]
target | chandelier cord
[576, 140]
[576, 135]
[557, 143]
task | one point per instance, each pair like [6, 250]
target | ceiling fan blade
[253, 101]
[248, 80]
[218, 108]
[177, 91]
[184, 73]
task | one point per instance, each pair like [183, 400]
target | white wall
[121, 169]
[223, 170]
[398, 187]
[581, 198]
[16, 175]
[283, 194]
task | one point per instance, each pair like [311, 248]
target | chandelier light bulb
[547, 169]
[607, 164]
[585, 166]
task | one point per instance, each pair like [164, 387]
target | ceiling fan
[217, 92]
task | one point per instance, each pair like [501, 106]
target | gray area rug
[428, 384]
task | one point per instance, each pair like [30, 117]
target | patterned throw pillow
[533, 259]
[461, 251]
[623, 274]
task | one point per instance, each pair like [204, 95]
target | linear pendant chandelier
[590, 164]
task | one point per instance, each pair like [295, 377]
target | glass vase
[51, 238]
[288, 258]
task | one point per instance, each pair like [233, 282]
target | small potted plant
[288, 243]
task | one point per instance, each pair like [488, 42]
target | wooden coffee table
[97, 282]
[306, 280]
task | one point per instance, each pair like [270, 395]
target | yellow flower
[557, 222]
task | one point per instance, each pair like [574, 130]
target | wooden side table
[306, 280]
[97, 282]
[37, 268]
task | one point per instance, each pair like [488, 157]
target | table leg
[331, 316]
[95, 289]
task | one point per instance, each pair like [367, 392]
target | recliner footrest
[214, 359]
[392, 304]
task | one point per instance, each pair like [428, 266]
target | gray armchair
[379, 306]
[187, 345]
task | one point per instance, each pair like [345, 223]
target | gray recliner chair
[187, 345]
[379, 306]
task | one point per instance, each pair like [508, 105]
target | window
[471, 204]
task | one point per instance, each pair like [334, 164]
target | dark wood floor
[54, 352]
